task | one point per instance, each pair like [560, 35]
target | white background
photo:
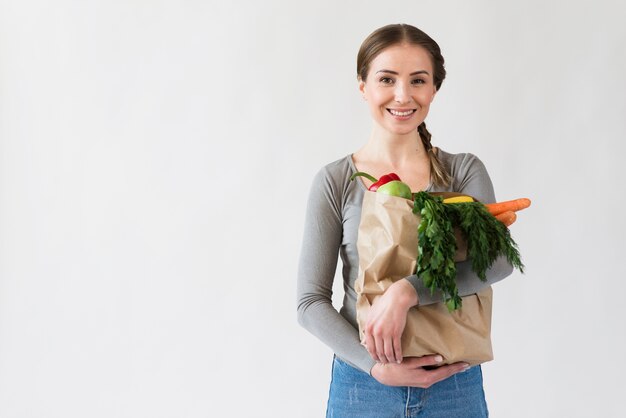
[156, 156]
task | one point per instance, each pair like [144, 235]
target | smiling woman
[403, 68]
[400, 69]
[399, 98]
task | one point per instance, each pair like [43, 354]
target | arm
[323, 231]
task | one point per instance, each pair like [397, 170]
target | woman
[400, 70]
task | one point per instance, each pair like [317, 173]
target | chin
[403, 131]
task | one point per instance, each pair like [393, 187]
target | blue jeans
[354, 393]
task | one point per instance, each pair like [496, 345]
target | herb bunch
[436, 248]
[487, 239]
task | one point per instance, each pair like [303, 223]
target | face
[399, 88]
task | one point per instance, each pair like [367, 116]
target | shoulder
[460, 164]
[336, 171]
[469, 175]
[332, 182]
[335, 176]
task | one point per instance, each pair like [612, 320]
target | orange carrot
[510, 205]
[507, 218]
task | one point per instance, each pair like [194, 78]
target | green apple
[396, 188]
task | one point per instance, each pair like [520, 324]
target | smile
[401, 113]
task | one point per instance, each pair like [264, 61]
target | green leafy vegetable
[436, 248]
[487, 239]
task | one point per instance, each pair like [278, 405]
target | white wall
[155, 161]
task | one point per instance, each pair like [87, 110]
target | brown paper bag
[387, 246]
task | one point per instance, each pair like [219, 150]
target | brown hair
[400, 33]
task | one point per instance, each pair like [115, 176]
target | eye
[386, 80]
[418, 81]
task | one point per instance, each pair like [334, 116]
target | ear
[362, 87]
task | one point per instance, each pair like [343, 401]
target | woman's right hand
[411, 371]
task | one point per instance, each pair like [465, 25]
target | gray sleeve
[471, 178]
[323, 231]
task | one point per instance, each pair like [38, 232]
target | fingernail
[466, 366]
[398, 361]
[438, 359]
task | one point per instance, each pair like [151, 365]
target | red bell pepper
[376, 182]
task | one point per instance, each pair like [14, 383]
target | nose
[402, 93]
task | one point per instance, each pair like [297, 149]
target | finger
[389, 350]
[444, 372]
[432, 360]
[380, 348]
[371, 346]
[397, 345]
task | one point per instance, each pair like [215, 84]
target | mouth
[401, 113]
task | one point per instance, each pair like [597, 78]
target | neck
[394, 149]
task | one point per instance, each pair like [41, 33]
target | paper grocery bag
[387, 247]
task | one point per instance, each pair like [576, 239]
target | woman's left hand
[386, 321]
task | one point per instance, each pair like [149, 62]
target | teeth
[396, 113]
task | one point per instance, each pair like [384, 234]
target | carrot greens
[487, 239]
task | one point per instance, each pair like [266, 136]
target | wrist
[405, 294]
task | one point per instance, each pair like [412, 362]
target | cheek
[376, 96]
[425, 98]
[375, 108]
[376, 102]
[379, 94]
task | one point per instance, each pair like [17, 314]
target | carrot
[507, 218]
[510, 205]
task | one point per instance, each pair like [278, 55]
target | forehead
[403, 58]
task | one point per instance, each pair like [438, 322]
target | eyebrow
[396, 73]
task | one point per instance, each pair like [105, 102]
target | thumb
[433, 360]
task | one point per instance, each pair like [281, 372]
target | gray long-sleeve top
[331, 225]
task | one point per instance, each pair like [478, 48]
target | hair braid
[438, 173]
